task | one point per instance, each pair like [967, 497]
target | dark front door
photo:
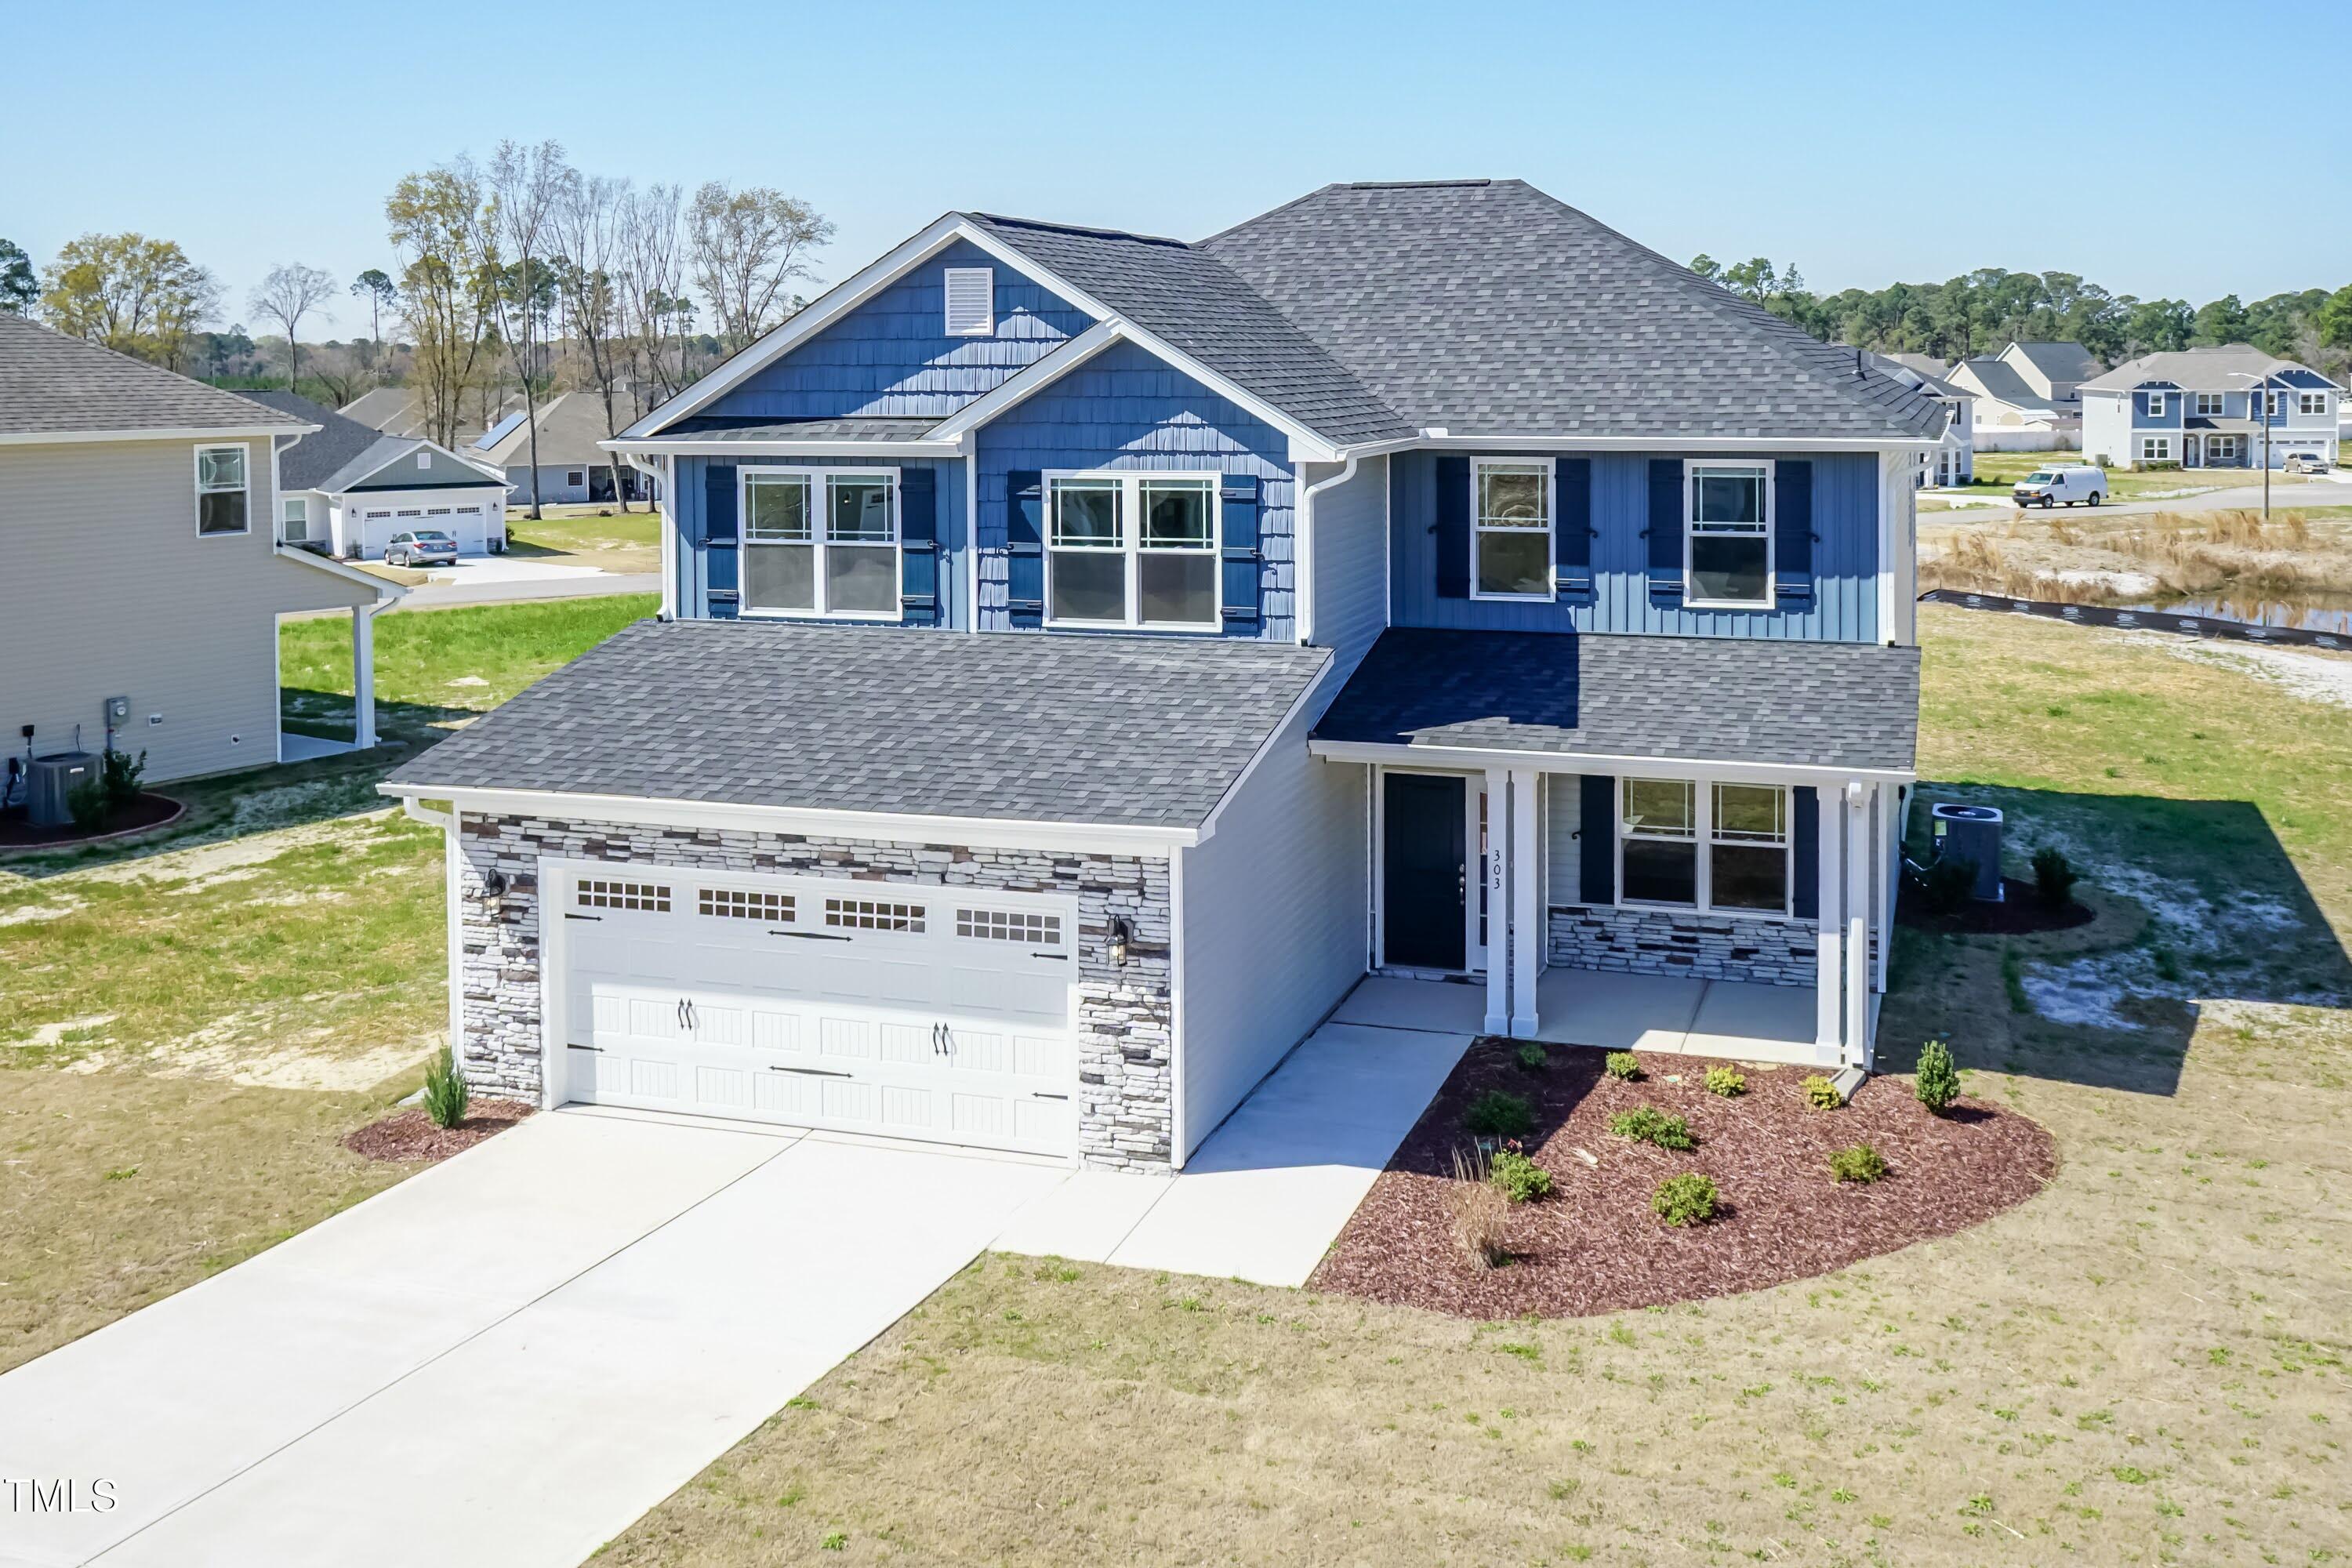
[1425, 874]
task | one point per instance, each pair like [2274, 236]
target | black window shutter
[720, 532]
[1792, 530]
[1452, 528]
[1596, 836]
[918, 546]
[1024, 534]
[1665, 529]
[1805, 844]
[1572, 548]
[1241, 580]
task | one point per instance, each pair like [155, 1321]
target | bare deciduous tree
[588, 238]
[653, 276]
[285, 296]
[527, 186]
[747, 244]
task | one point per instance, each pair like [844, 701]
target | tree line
[1980, 312]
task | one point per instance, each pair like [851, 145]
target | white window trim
[2224, 448]
[2271, 403]
[1551, 529]
[2311, 402]
[2160, 405]
[1771, 471]
[2199, 400]
[820, 512]
[987, 275]
[1131, 483]
[1702, 840]
[287, 507]
[245, 457]
[2146, 456]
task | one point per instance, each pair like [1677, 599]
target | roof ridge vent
[1414, 185]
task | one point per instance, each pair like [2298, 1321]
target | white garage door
[915, 1012]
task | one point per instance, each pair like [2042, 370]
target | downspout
[660, 477]
[1303, 564]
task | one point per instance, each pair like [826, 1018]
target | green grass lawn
[598, 536]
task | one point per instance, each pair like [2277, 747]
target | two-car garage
[937, 1013]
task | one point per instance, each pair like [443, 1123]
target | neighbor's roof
[1486, 307]
[54, 384]
[1806, 704]
[1997, 378]
[396, 411]
[2059, 362]
[1925, 364]
[342, 452]
[1901, 368]
[569, 425]
[1102, 730]
[2208, 369]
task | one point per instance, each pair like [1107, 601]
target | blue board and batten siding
[1126, 409]
[891, 357]
[1842, 608]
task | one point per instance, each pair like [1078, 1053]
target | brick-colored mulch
[411, 1135]
[1595, 1245]
[2020, 912]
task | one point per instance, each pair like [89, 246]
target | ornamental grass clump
[1939, 1082]
[1497, 1114]
[1648, 1124]
[1728, 1082]
[1860, 1163]
[1688, 1199]
[1482, 1213]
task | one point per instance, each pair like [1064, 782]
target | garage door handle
[570, 916]
[1040, 1094]
[1056, 957]
[810, 1072]
[809, 935]
[597, 1050]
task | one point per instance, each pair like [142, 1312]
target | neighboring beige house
[571, 467]
[2027, 396]
[144, 571]
[349, 491]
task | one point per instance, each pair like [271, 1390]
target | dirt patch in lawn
[2020, 912]
[1595, 1245]
[410, 1134]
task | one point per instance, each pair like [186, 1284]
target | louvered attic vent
[972, 301]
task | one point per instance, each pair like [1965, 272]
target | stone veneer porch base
[1701, 947]
[1124, 1099]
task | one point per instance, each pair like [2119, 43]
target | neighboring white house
[1954, 460]
[2027, 396]
[145, 572]
[2229, 405]
[571, 467]
[347, 490]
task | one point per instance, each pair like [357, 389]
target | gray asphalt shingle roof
[318, 456]
[1108, 730]
[54, 384]
[1489, 307]
[1690, 699]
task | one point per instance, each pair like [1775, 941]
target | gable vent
[972, 301]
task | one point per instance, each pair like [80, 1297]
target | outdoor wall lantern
[1121, 933]
[494, 884]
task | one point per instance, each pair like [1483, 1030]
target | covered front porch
[1610, 1010]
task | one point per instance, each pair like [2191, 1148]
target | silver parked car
[423, 547]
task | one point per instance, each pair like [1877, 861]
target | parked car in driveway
[2048, 487]
[422, 547]
[2307, 463]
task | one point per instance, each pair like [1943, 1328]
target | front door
[1425, 879]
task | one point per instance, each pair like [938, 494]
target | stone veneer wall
[1667, 942]
[1125, 1078]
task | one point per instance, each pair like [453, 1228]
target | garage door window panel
[738, 903]
[873, 915]
[1026, 927]
[648, 898]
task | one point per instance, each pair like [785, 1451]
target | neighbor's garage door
[919, 1012]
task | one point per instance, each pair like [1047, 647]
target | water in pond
[2315, 613]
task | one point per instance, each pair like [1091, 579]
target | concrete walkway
[503, 1361]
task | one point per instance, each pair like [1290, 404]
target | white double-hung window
[1728, 546]
[2311, 402]
[1720, 846]
[1511, 530]
[296, 530]
[821, 542]
[2208, 405]
[222, 493]
[1131, 550]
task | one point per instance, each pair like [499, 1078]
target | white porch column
[1857, 923]
[1885, 844]
[1498, 905]
[1527, 902]
[1829, 922]
[363, 674]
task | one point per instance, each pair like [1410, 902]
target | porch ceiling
[1792, 704]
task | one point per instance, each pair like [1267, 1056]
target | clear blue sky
[1827, 135]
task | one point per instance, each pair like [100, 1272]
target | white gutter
[1302, 554]
[1447, 441]
[661, 476]
[1481, 757]
[224, 433]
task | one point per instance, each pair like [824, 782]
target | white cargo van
[2048, 487]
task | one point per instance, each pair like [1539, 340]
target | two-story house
[2226, 406]
[1085, 657]
[2028, 396]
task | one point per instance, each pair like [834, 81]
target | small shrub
[2053, 878]
[1949, 882]
[1860, 1163]
[119, 775]
[445, 1094]
[1939, 1081]
[1533, 1056]
[89, 807]
[1518, 1178]
[1482, 1214]
[1686, 1199]
[1650, 1125]
[1821, 1093]
[1496, 1115]
[1623, 1066]
[1728, 1082]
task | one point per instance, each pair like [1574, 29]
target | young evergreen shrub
[445, 1094]
[119, 775]
[1728, 1082]
[1949, 883]
[87, 806]
[1623, 1066]
[1821, 1093]
[2053, 878]
[1686, 1199]
[1496, 1115]
[1650, 1125]
[1860, 1163]
[1518, 1178]
[1533, 1056]
[1939, 1080]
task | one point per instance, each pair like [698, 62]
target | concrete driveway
[503, 1361]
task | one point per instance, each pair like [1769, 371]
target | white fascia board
[686, 446]
[1306, 445]
[490, 476]
[230, 433]
[1476, 758]
[1001, 832]
[1450, 442]
[1032, 378]
[386, 591]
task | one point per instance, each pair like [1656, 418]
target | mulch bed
[2020, 913]
[147, 811]
[1595, 1245]
[410, 1135]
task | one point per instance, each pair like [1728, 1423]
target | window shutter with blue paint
[721, 532]
[1792, 530]
[1453, 527]
[1805, 845]
[1596, 835]
[1242, 580]
[1024, 535]
[1572, 550]
[1665, 529]
[918, 546]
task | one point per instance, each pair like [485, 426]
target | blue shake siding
[1126, 409]
[891, 357]
[1843, 606]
